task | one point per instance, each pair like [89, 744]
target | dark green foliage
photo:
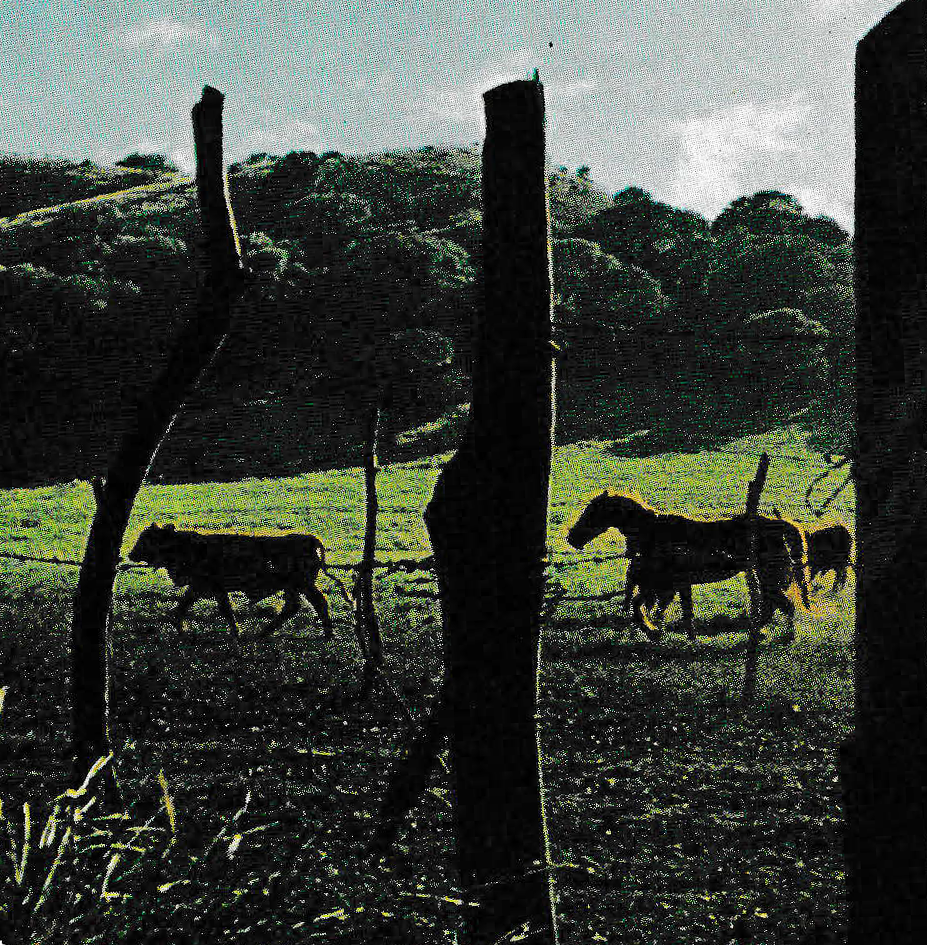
[667, 242]
[149, 162]
[751, 274]
[30, 183]
[348, 253]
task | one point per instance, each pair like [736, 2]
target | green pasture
[673, 812]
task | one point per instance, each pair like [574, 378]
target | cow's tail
[332, 577]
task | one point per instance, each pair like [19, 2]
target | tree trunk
[883, 763]
[487, 521]
[754, 491]
[193, 350]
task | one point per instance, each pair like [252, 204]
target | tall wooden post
[366, 622]
[883, 764]
[193, 350]
[487, 521]
[754, 491]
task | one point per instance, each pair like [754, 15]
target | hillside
[31, 183]
[742, 319]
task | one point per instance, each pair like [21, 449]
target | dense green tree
[782, 353]
[665, 241]
[610, 317]
[148, 162]
[347, 251]
[601, 294]
[750, 274]
[766, 213]
[772, 213]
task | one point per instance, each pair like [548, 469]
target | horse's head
[603, 512]
[589, 525]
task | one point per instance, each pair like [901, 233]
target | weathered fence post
[754, 491]
[487, 521]
[366, 621]
[883, 763]
[193, 350]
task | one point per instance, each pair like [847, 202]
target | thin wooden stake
[754, 491]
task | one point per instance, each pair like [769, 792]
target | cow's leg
[319, 603]
[290, 607]
[225, 608]
[685, 599]
[183, 605]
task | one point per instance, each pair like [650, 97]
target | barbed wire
[400, 564]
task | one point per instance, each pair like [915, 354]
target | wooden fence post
[487, 520]
[193, 350]
[366, 621]
[754, 491]
[884, 763]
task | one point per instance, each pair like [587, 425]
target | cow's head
[151, 543]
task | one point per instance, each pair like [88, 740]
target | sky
[697, 101]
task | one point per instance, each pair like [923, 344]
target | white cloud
[462, 103]
[166, 32]
[272, 130]
[183, 160]
[723, 148]
[569, 90]
[816, 202]
[831, 9]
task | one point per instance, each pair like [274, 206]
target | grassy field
[676, 815]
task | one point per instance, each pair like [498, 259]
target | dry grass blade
[104, 892]
[65, 837]
[91, 774]
[168, 804]
[24, 853]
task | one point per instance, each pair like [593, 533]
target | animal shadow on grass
[624, 642]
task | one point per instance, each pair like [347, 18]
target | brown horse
[670, 553]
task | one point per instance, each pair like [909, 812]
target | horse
[829, 549]
[670, 553]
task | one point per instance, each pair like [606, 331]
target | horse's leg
[782, 602]
[631, 580]
[664, 599]
[649, 630]
[688, 619]
[802, 576]
[840, 578]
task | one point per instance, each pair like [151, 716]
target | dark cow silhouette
[210, 564]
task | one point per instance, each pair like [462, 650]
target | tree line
[664, 320]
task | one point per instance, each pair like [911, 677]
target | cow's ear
[604, 494]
